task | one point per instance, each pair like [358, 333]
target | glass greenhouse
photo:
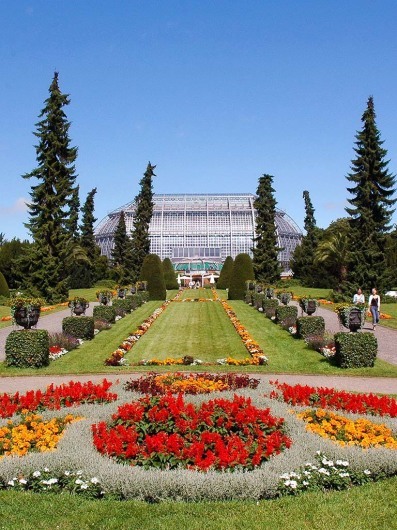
[201, 228]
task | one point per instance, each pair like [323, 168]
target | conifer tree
[121, 250]
[73, 221]
[242, 271]
[265, 251]
[169, 275]
[87, 238]
[304, 266]
[152, 272]
[372, 188]
[226, 272]
[51, 200]
[142, 217]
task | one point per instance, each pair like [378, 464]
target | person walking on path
[374, 306]
[359, 298]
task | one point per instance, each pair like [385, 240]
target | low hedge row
[286, 315]
[79, 327]
[306, 326]
[355, 350]
[104, 312]
[27, 348]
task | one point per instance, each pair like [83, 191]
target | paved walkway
[387, 343]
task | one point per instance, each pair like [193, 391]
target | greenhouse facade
[201, 228]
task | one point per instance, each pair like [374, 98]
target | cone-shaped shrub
[241, 272]
[226, 272]
[152, 272]
[169, 275]
[4, 291]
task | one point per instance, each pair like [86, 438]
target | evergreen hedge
[355, 350]
[79, 327]
[123, 304]
[258, 298]
[4, 290]
[152, 272]
[241, 272]
[104, 312]
[269, 306]
[287, 314]
[169, 275]
[225, 275]
[306, 326]
[27, 348]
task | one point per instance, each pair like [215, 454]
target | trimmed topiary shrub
[310, 326]
[287, 315]
[249, 297]
[355, 350]
[269, 306]
[4, 290]
[169, 275]
[27, 349]
[152, 272]
[258, 298]
[124, 304]
[79, 327]
[104, 312]
[226, 272]
[241, 272]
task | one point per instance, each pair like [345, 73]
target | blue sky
[214, 92]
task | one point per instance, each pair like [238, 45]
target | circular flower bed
[165, 432]
[179, 382]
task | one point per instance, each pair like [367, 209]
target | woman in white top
[359, 298]
[374, 306]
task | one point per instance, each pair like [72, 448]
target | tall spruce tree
[121, 251]
[304, 266]
[51, 200]
[73, 221]
[265, 251]
[142, 218]
[372, 188]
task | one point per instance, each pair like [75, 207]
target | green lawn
[369, 507]
[200, 329]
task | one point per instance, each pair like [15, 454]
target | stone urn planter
[104, 297]
[141, 286]
[121, 293]
[351, 317]
[284, 298]
[26, 311]
[78, 306]
[308, 305]
[250, 285]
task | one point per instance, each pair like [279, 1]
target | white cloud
[19, 206]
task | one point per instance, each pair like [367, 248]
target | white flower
[36, 474]
[305, 483]
[344, 463]
[344, 474]
[46, 469]
[67, 473]
[94, 480]
[291, 483]
[285, 476]
[323, 471]
[79, 481]
[11, 483]
[23, 481]
[367, 472]
[84, 486]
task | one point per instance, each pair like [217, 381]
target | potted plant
[121, 292]
[141, 286]
[104, 296]
[284, 297]
[78, 305]
[250, 285]
[26, 311]
[351, 316]
[308, 305]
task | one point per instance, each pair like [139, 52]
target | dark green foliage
[103, 312]
[269, 306]
[152, 272]
[265, 251]
[355, 350]
[107, 284]
[4, 290]
[121, 253]
[10, 251]
[52, 202]
[258, 299]
[372, 189]
[138, 299]
[142, 217]
[287, 314]
[303, 262]
[249, 297]
[226, 272]
[241, 272]
[73, 219]
[306, 326]
[79, 327]
[169, 275]
[27, 349]
[124, 304]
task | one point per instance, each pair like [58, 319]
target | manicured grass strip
[369, 507]
[289, 355]
[90, 356]
[197, 293]
[200, 329]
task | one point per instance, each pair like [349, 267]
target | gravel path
[387, 343]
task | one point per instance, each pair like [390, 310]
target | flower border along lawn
[287, 354]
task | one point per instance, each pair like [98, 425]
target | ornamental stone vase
[27, 316]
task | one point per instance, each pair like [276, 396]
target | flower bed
[345, 431]
[335, 399]
[55, 397]
[179, 382]
[32, 433]
[167, 433]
